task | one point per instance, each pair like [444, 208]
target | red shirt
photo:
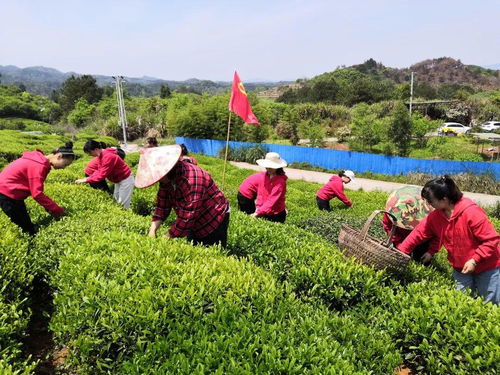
[110, 166]
[467, 234]
[190, 159]
[92, 166]
[248, 187]
[334, 188]
[400, 235]
[26, 176]
[197, 201]
[271, 195]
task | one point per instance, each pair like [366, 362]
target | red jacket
[271, 195]
[26, 176]
[334, 188]
[111, 166]
[400, 235]
[248, 187]
[467, 234]
[92, 166]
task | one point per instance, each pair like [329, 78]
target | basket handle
[366, 227]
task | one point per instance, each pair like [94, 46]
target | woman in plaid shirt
[202, 209]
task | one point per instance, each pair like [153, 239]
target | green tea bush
[314, 268]
[193, 311]
[440, 330]
[15, 284]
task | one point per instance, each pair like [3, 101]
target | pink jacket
[334, 188]
[26, 176]
[467, 234]
[271, 195]
[248, 187]
[92, 166]
[111, 166]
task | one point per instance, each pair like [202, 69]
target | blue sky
[271, 40]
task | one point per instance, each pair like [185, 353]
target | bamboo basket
[372, 251]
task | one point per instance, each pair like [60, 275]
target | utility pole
[411, 92]
[121, 107]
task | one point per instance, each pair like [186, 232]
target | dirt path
[363, 183]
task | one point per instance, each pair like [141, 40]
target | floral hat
[155, 163]
[408, 206]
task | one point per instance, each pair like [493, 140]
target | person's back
[19, 179]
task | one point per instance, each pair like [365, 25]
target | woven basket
[370, 250]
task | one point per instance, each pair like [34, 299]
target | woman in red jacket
[271, 189]
[466, 233]
[112, 167]
[334, 188]
[26, 176]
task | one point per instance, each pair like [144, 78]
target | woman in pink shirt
[271, 189]
[111, 167]
[334, 188]
[247, 192]
[26, 176]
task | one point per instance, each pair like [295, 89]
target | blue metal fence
[357, 161]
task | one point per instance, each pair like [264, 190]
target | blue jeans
[486, 284]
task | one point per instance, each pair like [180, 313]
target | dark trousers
[100, 185]
[18, 214]
[420, 250]
[219, 235]
[322, 204]
[278, 218]
[245, 204]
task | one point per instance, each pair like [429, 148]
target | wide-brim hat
[408, 206]
[272, 160]
[154, 163]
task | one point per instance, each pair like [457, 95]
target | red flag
[239, 102]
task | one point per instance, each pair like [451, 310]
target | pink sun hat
[154, 163]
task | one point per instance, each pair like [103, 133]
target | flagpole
[227, 148]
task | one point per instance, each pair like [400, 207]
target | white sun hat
[349, 174]
[272, 160]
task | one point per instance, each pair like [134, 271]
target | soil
[39, 343]
[403, 370]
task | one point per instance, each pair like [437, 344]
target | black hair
[184, 150]
[92, 145]
[103, 145]
[442, 187]
[280, 171]
[342, 174]
[66, 151]
[152, 141]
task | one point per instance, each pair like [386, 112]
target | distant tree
[108, 90]
[82, 113]
[400, 130]
[54, 96]
[363, 132]
[424, 90]
[75, 88]
[22, 87]
[165, 91]
[186, 90]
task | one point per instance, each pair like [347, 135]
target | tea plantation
[281, 299]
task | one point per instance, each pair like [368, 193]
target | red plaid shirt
[197, 201]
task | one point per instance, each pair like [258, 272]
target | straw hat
[272, 160]
[154, 163]
[408, 206]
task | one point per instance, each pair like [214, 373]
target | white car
[453, 127]
[490, 126]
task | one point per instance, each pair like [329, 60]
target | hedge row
[129, 304]
[15, 282]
